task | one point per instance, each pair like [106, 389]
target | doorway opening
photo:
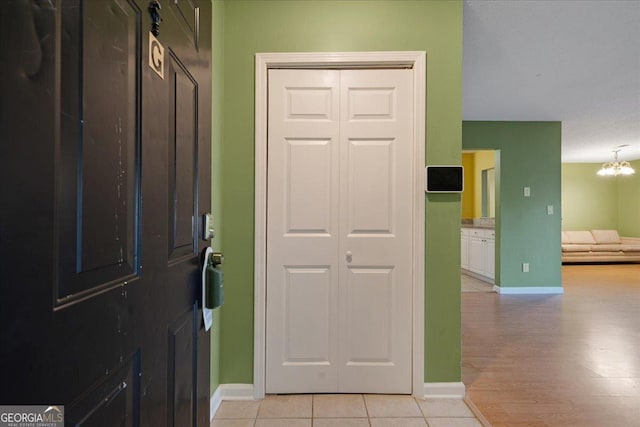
[480, 228]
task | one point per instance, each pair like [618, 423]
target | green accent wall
[590, 201]
[217, 98]
[629, 203]
[252, 27]
[529, 157]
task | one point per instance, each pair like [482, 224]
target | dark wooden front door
[105, 176]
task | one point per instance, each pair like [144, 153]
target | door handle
[349, 256]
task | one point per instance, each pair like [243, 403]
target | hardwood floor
[565, 360]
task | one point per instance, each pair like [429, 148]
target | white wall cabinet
[490, 260]
[478, 246]
[464, 248]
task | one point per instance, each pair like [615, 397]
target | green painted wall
[629, 203]
[589, 201]
[251, 27]
[529, 157]
[592, 202]
[217, 98]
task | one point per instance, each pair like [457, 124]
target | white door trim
[417, 62]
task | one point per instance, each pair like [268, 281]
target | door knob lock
[217, 258]
[349, 256]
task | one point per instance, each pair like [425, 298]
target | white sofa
[599, 246]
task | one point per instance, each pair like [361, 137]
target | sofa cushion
[581, 254]
[606, 248]
[605, 236]
[630, 248]
[630, 240]
[576, 248]
[580, 237]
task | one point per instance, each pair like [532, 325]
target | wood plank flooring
[565, 360]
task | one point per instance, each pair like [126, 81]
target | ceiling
[577, 62]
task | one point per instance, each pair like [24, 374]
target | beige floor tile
[444, 408]
[471, 284]
[233, 423]
[286, 406]
[340, 422]
[453, 422]
[388, 406]
[398, 422]
[338, 406]
[238, 409]
[283, 422]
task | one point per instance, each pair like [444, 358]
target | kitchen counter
[485, 223]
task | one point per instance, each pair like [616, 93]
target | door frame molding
[416, 61]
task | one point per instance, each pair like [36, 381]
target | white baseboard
[444, 390]
[215, 402]
[229, 392]
[237, 391]
[245, 392]
[529, 290]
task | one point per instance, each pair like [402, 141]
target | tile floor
[345, 410]
[471, 284]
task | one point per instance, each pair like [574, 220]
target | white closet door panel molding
[302, 231]
[339, 226]
[376, 151]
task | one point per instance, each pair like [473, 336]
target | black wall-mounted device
[444, 179]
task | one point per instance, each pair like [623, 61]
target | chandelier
[616, 168]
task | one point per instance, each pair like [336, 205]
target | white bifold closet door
[339, 224]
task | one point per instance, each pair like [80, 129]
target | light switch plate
[549, 209]
[527, 191]
[208, 231]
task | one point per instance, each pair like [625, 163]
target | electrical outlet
[525, 267]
